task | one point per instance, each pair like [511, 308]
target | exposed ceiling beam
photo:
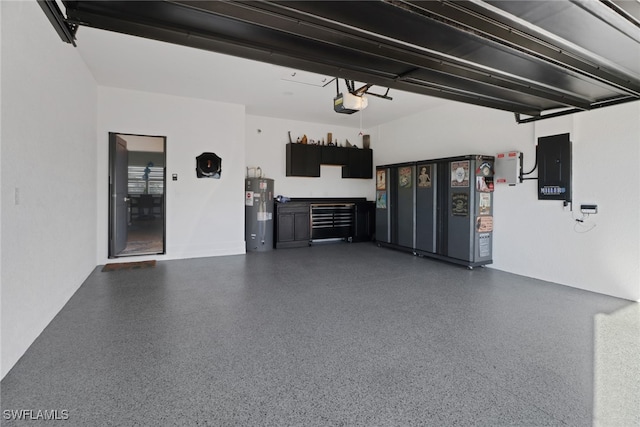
[65, 30]
[519, 36]
[468, 51]
[443, 68]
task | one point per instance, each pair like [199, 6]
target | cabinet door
[402, 210]
[382, 217]
[366, 163]
[303, 160]
[286, 227]
[426, 206]
[301, 226]
[360, 164]
[364, 219]
[334, 155]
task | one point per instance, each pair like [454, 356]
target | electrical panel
[508, 168]
[554, 167]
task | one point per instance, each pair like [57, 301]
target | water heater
[258, 217]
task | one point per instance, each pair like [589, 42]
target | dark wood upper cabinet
[332, 155]
[305, 160]
[359, 165]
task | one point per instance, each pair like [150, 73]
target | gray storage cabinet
[441, 208]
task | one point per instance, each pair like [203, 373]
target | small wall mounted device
[208, 165]
[589, 209]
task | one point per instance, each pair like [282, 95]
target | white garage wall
[266, 140]
[606, 156]
[540, 238]
[48, 159]
[205, 217]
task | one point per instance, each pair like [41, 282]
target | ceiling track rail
[622, 9]
[409, 84]
[530, 42]
[595, 105]
[65, 29]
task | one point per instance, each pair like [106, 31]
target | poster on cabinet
[460, 174]
[424, 176]
[381, 180]
[484, 206]
[460, 204]
[484, 224]
[404, 177]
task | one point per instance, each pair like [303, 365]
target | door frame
[111, 142]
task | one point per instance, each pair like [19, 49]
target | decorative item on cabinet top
[330, 142]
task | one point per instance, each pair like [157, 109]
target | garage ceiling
[534, 58]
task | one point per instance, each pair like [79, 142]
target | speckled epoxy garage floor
[331, 335]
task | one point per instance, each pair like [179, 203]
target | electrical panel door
[554, 167]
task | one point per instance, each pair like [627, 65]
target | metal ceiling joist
[350, 18]
[285, 19]
[519, 36]
[65, 30]
[468, 51]
[300, 54]
[607, 103]
[628, 10]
